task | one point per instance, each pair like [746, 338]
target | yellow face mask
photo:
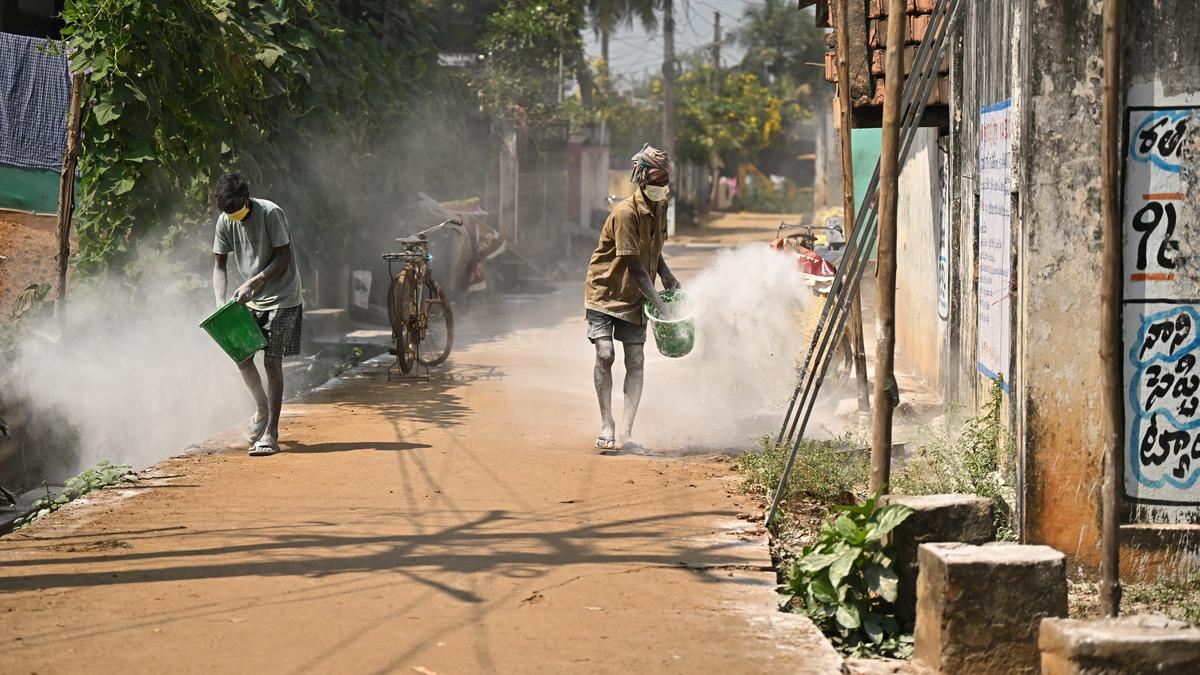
[240, 214]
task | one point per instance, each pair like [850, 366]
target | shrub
[830, 471]
[99, 476]
[977, 459]
[845, 582]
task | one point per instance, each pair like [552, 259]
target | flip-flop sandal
[263, 449]
[606, 443]
[255, 428]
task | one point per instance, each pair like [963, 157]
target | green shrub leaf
[882, 581]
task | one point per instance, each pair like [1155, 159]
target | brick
[935, 518]
[879, 61]
[914, 32]
[979, 608]
[1128, 645]
[879, 8]
[831, 67]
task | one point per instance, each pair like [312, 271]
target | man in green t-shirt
[255, 231]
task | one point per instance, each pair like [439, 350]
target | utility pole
[886, 389]
[842, 26]
[668, 139]
[1112, 387]
[716, 53]
[66, 189]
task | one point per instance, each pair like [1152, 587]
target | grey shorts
[601, 325]
[281, 327]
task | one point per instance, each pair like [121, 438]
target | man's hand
[670, 283]
[247, 290]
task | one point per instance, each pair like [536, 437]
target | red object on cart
[817, 271]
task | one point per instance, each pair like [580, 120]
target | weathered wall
[920, 335]
[1061, 277]
[1162, 273]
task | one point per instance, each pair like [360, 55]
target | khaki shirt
[635, 227]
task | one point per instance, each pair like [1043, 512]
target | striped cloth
[35, 92]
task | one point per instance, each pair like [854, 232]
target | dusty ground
[458, 525]
[29, 245]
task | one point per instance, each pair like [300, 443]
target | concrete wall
[920, 336]
[1060, 278]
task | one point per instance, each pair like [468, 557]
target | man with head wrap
[620, 278]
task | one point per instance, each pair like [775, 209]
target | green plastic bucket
[674, 337]
[234, 330]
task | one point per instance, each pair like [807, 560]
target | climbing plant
[181, 90]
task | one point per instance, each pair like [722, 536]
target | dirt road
[458, 525]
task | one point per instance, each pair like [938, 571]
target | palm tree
[780, 41]
[608, 15]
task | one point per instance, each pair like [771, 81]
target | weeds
[979, 460]
[99, 476]
[845, 582]
[829, 471]
[1177, 599]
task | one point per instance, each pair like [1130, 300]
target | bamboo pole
[845, 102]
[1110, 315]
[66, 188]
[885, 312]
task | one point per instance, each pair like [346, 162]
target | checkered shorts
[281, 327]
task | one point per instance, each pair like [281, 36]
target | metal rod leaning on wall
[66, 189]
[1110, 314]
[926, 53]
[916, 92]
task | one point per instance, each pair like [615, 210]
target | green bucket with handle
[674, 336]
[234, 330]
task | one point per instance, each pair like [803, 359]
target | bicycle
[417, 306]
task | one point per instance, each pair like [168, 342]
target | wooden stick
[885, 318]
[1110, 316]
[66, 189]
[841, 18]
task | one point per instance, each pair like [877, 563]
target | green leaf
[105, 113]
[124, 185]
[813, 563]
[873, 629]
[882, 581]
[822, 590]
[887, 519]
[847, 617]
[842, 566]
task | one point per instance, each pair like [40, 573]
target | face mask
[240, 214]
[656, 193]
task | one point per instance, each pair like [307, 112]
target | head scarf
[651, 165]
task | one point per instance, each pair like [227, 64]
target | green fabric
[866, 144]
[253, 242]
[33, 190]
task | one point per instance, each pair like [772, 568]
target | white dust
[751, 332]
[132, 382]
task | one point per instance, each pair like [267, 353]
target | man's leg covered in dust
[274, 367]
[606, 356]
[635, 371]
[254, 383]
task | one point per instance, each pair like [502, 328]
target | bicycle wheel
[404, 340]
[439, 334]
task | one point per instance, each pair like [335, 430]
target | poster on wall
[994, 328]
[1161, 317]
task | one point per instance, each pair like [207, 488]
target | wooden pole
[841, 19]
[66, 188]
[1110, 315]
[885, 312]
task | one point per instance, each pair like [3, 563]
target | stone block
[1129, 645]
[935, 518]
[979, 607]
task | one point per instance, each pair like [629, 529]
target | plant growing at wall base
[845, 582]
[829, 471]
[100, 476]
